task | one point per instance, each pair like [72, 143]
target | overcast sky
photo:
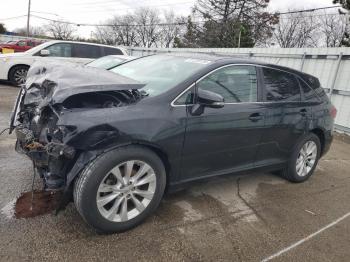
[90, 11]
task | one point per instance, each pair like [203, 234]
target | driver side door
[224, 140]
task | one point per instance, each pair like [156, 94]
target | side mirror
[44, 52]
[209, 99]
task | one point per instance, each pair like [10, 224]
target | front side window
[280, 86]
[235, 83]
[60, 50]
[186, 98]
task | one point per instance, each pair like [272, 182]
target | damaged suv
[115, 140]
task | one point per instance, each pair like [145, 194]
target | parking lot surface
[249, 217]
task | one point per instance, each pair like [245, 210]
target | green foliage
[228, 23]
[2, 28]
[346, 5]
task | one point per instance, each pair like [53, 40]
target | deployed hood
[51, 83]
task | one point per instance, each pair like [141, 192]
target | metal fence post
[302, 62]
[335, 74]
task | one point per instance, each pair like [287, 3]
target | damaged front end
[53, 93]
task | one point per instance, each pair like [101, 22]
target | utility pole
[28, 17]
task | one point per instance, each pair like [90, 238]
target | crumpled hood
[51, 83]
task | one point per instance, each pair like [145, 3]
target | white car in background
[110, 61]
[14, 66]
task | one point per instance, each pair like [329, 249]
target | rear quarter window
[308, 93]
[112, 51]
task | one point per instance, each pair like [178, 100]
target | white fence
[330, 65]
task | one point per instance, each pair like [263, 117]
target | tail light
[333, 112]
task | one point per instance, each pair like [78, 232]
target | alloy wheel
[306, 158]
[20, 76]
[126, 191]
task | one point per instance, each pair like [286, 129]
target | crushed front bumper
[51, 160]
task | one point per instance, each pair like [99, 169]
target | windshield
[106, 62]
[160, 73]
[11, 42]
[37, 48]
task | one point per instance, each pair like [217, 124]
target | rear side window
[112, 51]
[281, 86]
[235, 83]
[87, 51]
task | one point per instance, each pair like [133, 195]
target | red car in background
[20, 45]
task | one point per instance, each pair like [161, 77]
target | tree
[170, 30]
[121, 30]
[2, 29]
[346, 5]
[225, 21]
[34, 31]
[333, 28]
[296, 30]
[60, 30]
[147, 29]
[190, 38]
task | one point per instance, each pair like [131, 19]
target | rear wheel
[18, 75]
[303, 160]
[118, 190]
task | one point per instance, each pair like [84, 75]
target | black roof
[244, 59]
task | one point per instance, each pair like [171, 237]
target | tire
[102, 173]
[290, 172]
[17, 74]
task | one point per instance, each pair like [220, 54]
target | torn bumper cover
[47, 117]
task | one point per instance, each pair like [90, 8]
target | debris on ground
[44, 202]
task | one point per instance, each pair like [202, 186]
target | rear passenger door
[285, 119]
[83, 53]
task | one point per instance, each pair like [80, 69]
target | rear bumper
[327, 143]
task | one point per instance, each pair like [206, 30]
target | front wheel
[18, 75]
[120, 189]
[304, 159]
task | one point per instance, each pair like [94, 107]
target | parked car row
[115, 140]
[20, 45]
[14, 67]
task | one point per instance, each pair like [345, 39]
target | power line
[14, 17]
[168, 24]
[309, 10]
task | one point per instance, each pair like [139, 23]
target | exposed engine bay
[54, 92]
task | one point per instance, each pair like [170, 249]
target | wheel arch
[14, 66]
[319, 132]
[87, 157]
